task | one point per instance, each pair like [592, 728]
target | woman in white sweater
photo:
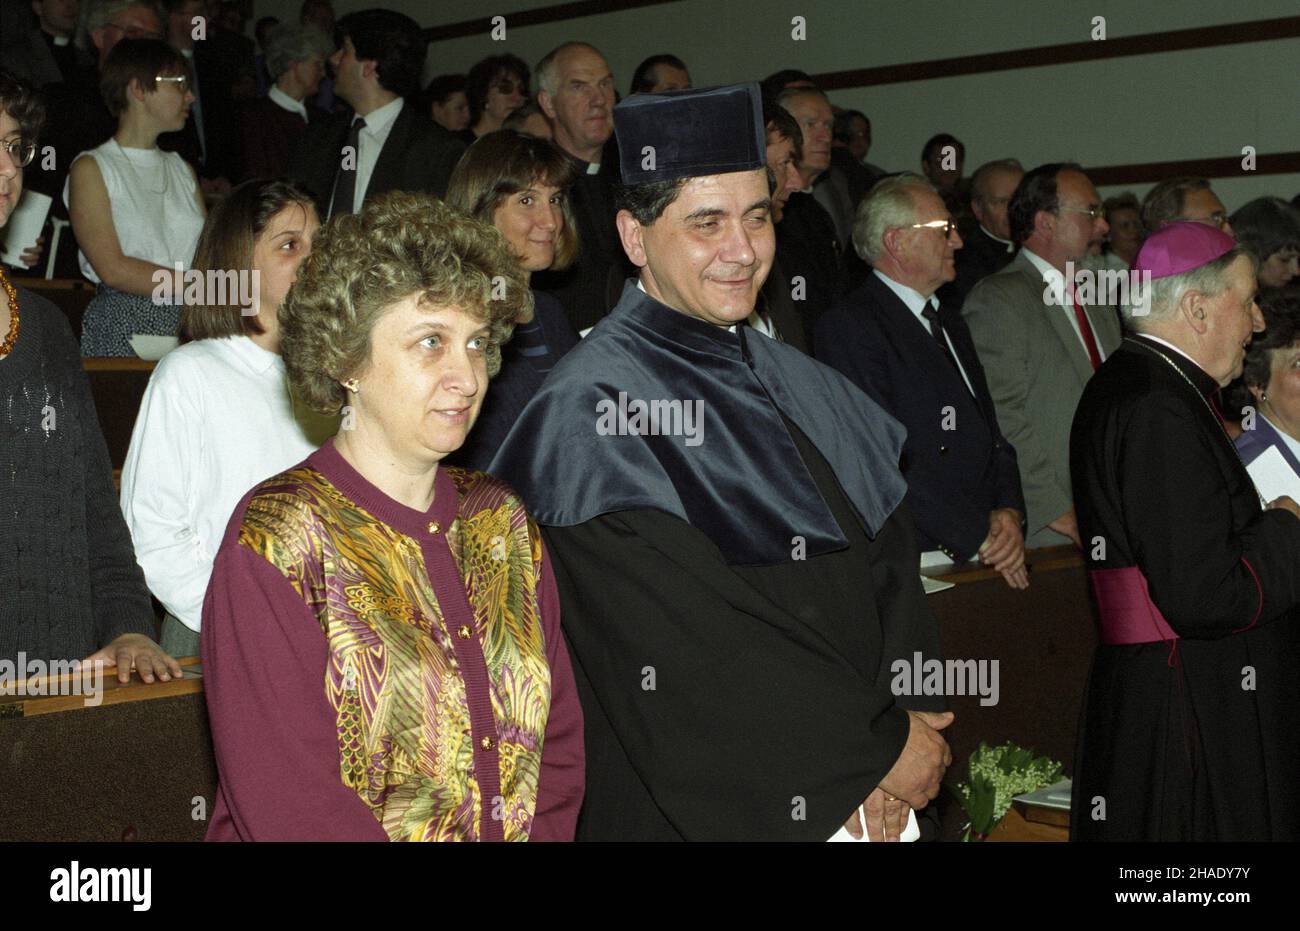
[217, 416]
[136, 210]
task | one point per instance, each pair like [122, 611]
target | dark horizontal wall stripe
[1285, 27]
[545, 14]
[1279, 163]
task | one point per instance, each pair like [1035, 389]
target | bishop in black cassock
[737, 570]
[1188, 729]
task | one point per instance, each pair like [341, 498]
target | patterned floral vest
[393, 677]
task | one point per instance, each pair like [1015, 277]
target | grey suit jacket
[1036, 368]
[831, 190]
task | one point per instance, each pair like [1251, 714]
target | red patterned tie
[1085, 328]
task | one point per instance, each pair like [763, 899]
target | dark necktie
[345, 179]
[936, 330]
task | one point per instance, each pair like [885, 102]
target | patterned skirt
[114, 316]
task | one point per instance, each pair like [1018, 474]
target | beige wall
[1161, 107]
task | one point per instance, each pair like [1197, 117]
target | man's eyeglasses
[1096, 211]
[944, 226]
[22, 151]
[180, 80]
[135, 32]
[1219, 218]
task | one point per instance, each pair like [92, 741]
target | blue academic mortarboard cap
[690, 133]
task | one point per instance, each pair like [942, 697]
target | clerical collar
[593, 168]
[640, 287]
[60, 41]
[1201, 379]
[1011, 246]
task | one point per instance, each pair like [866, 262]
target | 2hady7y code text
[1151, 874]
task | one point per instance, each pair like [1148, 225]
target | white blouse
[152, 197]
[215, 420]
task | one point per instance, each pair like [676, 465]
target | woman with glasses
[71, 587]
[496, 87]
[137, 211]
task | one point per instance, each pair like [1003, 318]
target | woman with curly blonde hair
[381, 638]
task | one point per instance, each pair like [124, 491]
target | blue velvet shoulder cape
[739, 480]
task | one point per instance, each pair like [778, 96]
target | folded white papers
[152, 348]
[1273, 477]
[842, 836]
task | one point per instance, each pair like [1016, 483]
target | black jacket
[418, 155]
[955, 476]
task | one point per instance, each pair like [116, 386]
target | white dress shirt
[916, 302]
[284, 101]
[1060, 298]
[379, 123]
[215, 420]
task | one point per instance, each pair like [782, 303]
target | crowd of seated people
[412, 297]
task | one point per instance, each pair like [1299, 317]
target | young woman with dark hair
[217, 416]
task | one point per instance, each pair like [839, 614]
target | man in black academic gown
[736, 569]
[1188, 729]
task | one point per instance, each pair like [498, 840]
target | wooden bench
[1043, 639]
[117, 385]
[133, 766]
[70, 295]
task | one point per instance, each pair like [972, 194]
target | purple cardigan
[275, 731]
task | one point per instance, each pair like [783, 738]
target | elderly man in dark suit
[916, 359]
[1038, 344]
[380, 144]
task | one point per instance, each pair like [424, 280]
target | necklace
[1213, 413]
[7, 345]
[130, 164]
